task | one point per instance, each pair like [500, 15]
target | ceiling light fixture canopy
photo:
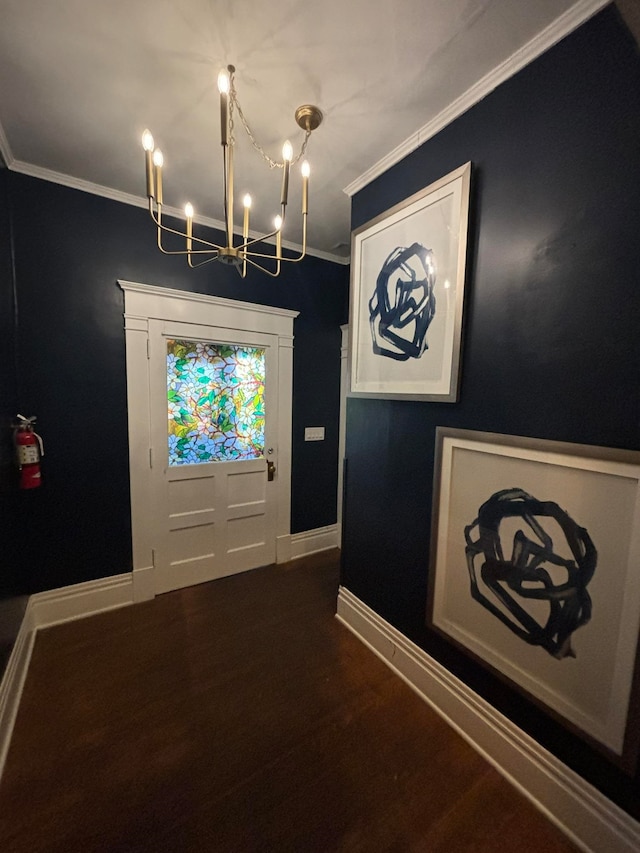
[199, 251]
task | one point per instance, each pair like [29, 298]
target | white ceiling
[81, 79]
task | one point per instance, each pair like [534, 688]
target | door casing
[143, 303]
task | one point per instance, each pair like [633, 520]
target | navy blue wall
[9, 572]
[70, 249]
[552, 327]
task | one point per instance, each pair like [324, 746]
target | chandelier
[235, 252]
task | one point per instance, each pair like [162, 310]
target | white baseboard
[144, 584]
[13, 683]
[312, 541]
[79, 600]
[283, 548]
[586, 816]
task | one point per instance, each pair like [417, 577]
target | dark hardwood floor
[240, 715]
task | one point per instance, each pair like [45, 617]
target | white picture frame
[407, 295]
[573, 647]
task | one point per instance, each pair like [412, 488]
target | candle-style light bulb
[278, 223]
[188, 210]
[158, 162]
[247, 200]
[287, 154]
[305, 170]
[147, 144]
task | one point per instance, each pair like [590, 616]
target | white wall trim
[13, 683]
[63, 180]
[313, 541]
[168, 293]
[79, 600]
[588, 818]
[283, 548]
[550, 35]
[342, 428]
[144, 583]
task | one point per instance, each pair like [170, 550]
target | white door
[214, 455]
[193, 522]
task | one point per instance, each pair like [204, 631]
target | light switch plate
[314, 433]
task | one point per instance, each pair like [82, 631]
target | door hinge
[148, 349]
[153, 557]
[150, 458]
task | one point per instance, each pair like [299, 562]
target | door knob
[271, 470]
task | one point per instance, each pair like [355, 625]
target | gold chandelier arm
[214, 257]
[215, 251]
[287, 260]
[244, 246]
[261, 239]
[249, 255]
[304, 242]
[158, 221]
[264, 269]
[167, 251]
[161, 227]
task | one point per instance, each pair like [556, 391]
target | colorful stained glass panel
[215, 397]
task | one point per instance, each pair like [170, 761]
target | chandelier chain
[273, 164]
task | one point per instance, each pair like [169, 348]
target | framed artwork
[407, 295]
[534, 573]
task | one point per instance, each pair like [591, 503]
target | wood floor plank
[240, 715]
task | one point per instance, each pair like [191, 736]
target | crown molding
[137, 201]
[546, 38]
[63, 180]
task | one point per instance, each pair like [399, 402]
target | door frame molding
[342, 429]
[145, 302]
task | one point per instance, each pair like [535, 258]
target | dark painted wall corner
[550, 347]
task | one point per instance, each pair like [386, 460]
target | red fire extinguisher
[29, 450]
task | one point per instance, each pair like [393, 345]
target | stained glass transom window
[215, 396]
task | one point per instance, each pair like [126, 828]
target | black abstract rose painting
[507, 574]
[403, 303]
[407, 295]
[533, 572]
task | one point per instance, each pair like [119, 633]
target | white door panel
[214, 518]
[188, 551]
